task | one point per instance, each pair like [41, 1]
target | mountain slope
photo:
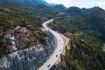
[24, 1]
[59, 7]
[86, 29]
[37, 7]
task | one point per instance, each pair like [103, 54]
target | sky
[80, 3]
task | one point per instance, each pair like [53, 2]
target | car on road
[56, 55]
[48, 66]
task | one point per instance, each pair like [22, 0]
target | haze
[80, 3]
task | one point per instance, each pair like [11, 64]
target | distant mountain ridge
[31, 2]
[24, 1]
[41, 6]
[77, 11]
[33, 6]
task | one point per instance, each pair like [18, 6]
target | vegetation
[85, 54]
[9, 19]
[88, 35]
[86, 25]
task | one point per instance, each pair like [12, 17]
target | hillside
[85, 28]
[37, 7]
[22, 19]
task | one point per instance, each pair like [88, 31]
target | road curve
[57, 52]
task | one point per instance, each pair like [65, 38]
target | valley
[29, 40]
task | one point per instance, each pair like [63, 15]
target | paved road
[57, 52]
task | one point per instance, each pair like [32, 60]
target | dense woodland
[87, 39]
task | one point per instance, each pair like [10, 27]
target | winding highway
[58, 50]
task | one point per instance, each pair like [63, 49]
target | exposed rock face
[23, 37]
[27, 56]
[27, 59]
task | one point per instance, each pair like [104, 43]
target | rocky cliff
[24, 55]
